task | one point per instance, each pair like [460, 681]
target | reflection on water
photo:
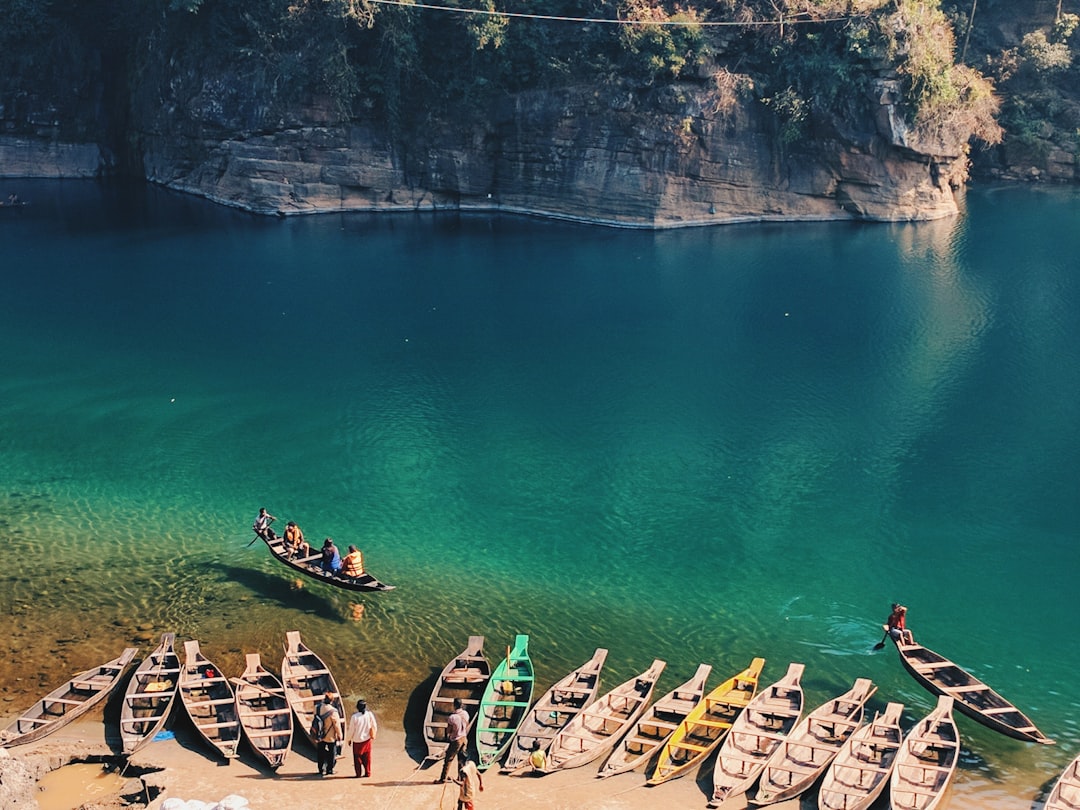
[699, 446]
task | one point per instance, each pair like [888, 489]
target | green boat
[504, 704]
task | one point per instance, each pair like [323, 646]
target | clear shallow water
[700, 445]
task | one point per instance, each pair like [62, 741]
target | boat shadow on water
[284, 592]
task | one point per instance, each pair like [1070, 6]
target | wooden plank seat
[266, 712]
[268, 732]
[311, 673]
[307, 699]
[975, 687]
[224, 724]
[65, 701]
[465, 701]
[139, 695]
[663, 725]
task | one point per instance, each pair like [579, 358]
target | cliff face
[673, 158]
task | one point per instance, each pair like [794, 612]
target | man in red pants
[361, 733]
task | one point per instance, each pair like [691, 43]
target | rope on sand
[415, 771]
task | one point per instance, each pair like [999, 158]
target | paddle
[881, 644]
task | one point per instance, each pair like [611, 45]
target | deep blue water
[698, 445]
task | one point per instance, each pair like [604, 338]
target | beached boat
[75, 698]
[861, 770]
[656, 725]
[464, 677]
[1065, 794]
[811, 746]
[927, 760]
[705, 727]
[150, 695]
[555, 708]
[756, 733]
[503, 705]
[209, 701]
[596, 728]
[264, 712]
[310, 566]
[940, 676]
[306, 678]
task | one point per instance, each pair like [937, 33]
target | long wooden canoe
[73, 699]
[811, 746]
[150, 695]
[555, 708]
[861, 770]
[310, 566]
[264, 712]
[463, 678]
[940, 676]
[209, 701]
[656, 725]
[594, 731]
[927, 760]
[1065, 794]
[755, 734]
[306, 679]
[705, 727]
[503, 705]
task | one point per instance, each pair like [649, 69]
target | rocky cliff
[678, 157]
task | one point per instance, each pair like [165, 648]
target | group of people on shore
[297, 547]
[328, 730]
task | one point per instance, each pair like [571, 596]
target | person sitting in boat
[261, 526]
[13, 199]
[352, 565]
[897, 625]
[295, 544]
[331, 557]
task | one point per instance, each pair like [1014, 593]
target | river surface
[699, 445]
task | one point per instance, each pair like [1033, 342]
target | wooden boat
[209, 701]
[1065, 794]
[656, 725]
[756, 733]
[264, 712]
[306, 678]
[705, 727]
[464, 677]
[503, 705]
[595, 729]
[860, 771]
[811, 746]
[310, 566]
[555, 708]
[150, 695]
[73, 699]
[927, 760]
[940, 676]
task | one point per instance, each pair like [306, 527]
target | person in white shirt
[361, 733]
[457, 734]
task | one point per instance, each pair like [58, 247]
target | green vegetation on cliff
[406, 66]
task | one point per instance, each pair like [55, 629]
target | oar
[881, 644]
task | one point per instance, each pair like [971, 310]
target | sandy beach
[398, 781]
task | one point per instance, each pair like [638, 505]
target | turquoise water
[700, 445]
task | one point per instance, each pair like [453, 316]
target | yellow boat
[707, 724]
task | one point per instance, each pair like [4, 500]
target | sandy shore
[399, 782]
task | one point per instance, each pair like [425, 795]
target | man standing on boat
[361, 733]
[327, 733]
[261, 526]
[457, 732]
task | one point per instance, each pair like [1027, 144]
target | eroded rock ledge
[686, 157]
